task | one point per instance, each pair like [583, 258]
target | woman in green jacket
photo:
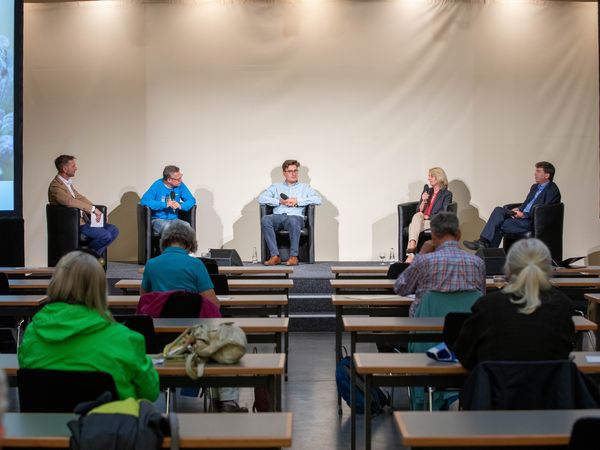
[75, 331]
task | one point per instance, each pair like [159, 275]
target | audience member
[75, 331]
[441, 265]
[527, 320]
[435, 198]
[175, 269]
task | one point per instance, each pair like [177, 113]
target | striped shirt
[447, 269]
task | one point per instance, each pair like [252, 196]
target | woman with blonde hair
[75, 331]
[435, 198]
[526, 320]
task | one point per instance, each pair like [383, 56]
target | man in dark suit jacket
[519, 220]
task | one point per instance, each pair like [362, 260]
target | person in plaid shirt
[441, 265]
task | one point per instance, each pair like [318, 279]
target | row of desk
[417, 369]
[196, 431]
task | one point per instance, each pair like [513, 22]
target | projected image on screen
[7, 105]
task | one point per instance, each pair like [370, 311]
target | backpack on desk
[121, 425]
[225, 344]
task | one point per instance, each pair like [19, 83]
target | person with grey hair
[526, 320]
[175, 269]
[165, 197]
[441, 265]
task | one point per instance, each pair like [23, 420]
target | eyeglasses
[177, 179]
[291, 171]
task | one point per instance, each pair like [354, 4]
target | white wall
[367, 95]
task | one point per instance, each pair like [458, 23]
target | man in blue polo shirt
[165, 197]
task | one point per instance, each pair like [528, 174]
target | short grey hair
[179, 233]
[168, 171]
[445, 223]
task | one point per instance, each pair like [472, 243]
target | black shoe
[475, 245]
[231, 406]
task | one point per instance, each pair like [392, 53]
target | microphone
[283, 196]
[172, 196]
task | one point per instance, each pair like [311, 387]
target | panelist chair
[64, 232]
[406, 211]
[45, 390]
[548, 222]
[148, 243]
[306, 249]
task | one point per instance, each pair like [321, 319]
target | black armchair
[548, 222]
[405, 213]
[148, 244]
[64, 233]
[306, 250]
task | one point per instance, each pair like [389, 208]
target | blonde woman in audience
[75, 331]
[527, 320]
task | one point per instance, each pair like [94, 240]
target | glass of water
[499, 281]
[382, 258]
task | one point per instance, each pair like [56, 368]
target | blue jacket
[549, 196]
[158, 194]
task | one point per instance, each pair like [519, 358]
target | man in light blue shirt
[288, 200]
[165, 197]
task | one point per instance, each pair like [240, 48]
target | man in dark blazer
[519, 220]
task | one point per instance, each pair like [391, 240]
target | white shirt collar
[68, 182]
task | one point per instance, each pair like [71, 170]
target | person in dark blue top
[165, 196]
[519, 220]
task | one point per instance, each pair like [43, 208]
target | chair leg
[167, 400]
[430, 397]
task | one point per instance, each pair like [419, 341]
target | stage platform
[309, 301]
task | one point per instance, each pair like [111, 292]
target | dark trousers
[100, 238]
[500, 224]
[292, 224]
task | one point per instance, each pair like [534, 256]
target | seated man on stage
[441, 265]
[288, 199]
[518, 220]
[62, 192]
[165, 196]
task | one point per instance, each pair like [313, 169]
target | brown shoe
[292, 261]
[273, 261]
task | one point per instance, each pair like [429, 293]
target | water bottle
[392, 255]
[254, 256]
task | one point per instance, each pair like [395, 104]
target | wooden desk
[253, 370]
[29, 285]
[234, 284]
[417, 369]
[487, 428]
[374, 271]
[375, 305]
[36, 271]
[364, 285]
[232, 305]
[249, 271]
[196, 430]
[259, 330]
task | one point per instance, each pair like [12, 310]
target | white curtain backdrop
[366, 94]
